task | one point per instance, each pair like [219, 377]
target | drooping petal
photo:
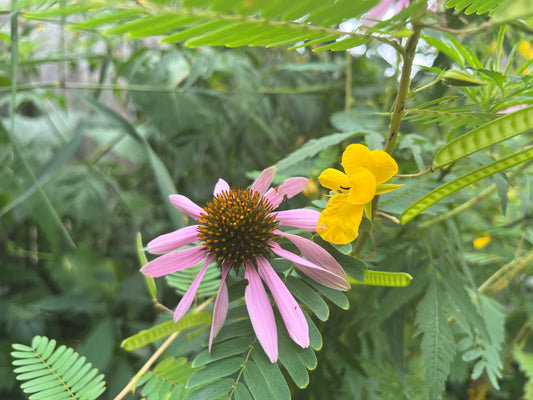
[174, 240]
[334, 179]
[264, 180]
[289, 188]
[186, 205]
[173, 262]
[261, 314]
[303, 218]
[220, 187]
[188, 297]
[290, 311]
[339, 221]
[355, 156]
[317, 255]
[382, 165]
[319, 274]
[221, 305]
[363, 186]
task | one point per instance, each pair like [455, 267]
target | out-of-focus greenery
[109, 126]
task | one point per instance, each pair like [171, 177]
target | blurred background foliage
[110, 125]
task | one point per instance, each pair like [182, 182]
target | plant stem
[398, 112]
[131, 384]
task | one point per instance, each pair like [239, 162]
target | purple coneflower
[239, 227]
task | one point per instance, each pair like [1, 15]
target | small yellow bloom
[311, 188]
[525, 48]
[365, 173]
[481, 242]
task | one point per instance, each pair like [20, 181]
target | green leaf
[274, 378]
[453, 186]
[354, 267]
[312, 148]
[222, 350]
[438, 345]
[148, 336]
[453, 77]
[214, 371]
[525, 361]
[512, 10]
[255, 381]
[503, 128]
[308, 297]
[216, 390]
[162, 176]
[382, 278]
[57, 373]
[475, 6]
[150, 282]
[241, 393]
[290, 358]
[58, 160]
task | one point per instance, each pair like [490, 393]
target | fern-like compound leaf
[58, 373]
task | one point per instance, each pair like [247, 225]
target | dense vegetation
[106, 108]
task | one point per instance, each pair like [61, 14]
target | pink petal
[290, 188]
[264, 180]
[221, 305]
[302, 218]
[317, 255]
[173, 262]
[174, 240]
[186, 205]
[261, 314]
[220, 187]
[187, 299]
[290, 311]
[377, 12]
[319, 274]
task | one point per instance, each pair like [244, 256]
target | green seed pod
[453, 77]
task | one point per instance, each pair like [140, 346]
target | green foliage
[52, 372]
[465, 180]
[475, 6]
[438, 345]
[142, 107]
[167, 380]
[503, 128]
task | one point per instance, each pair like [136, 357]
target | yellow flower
[481, 242]
[525, 48]
[366, 171]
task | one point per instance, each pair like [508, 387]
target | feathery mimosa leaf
[382, 278]
[486, 135]
[438, 345]
[157, 332]
[57, 373]
[453, 186]
[475, 6]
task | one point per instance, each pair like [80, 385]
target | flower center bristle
[237, 226]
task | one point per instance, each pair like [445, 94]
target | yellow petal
[355, 156]
[386, 188]
[334, 179]
[481, 242]
[382, 165]
[363, 186]
[340, 220]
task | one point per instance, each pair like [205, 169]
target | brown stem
[397, 114]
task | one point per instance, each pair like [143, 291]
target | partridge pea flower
[365, 172]
[239, 228]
